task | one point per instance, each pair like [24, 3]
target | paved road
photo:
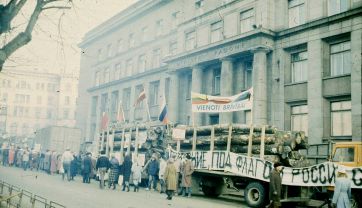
[75, 194]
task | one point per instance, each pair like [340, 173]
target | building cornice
[134, 11]
[126, 79]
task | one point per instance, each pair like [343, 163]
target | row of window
[20, 111]
[340, 122]
[340, 62]
[153, 98]
[25, 99]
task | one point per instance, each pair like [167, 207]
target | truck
[243, 172]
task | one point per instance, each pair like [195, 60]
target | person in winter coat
[187, 170]
[275, 185]
[67, 158]
[136, 175]
[113, 174]
[11, 156]
[73, 167]
[153, 169]
[126, 172]
[102, 166]
[161, 173]
[342, 191]
[26, 158]
[87, 168]
[170, 178]
[53, 163]
[47, 159]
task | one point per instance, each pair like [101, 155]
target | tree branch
[56, 7]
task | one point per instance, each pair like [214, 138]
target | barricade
[13, 196]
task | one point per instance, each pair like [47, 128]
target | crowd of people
[167, 175]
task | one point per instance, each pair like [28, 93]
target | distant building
[31, 100]
[302, 58]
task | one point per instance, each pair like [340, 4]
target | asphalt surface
[75, 194]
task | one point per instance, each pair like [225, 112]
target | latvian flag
[163, 117]
[141, 97]
[104, 122]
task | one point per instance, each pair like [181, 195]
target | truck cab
[347, 153]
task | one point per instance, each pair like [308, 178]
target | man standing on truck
[275, 186]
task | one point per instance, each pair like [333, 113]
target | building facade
[31, 100]
[301, 57]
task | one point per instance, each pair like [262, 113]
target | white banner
[210, 104]
[323, 174]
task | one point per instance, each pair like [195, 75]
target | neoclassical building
[301, 57]
[34, 99]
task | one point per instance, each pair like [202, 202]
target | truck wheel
[254, 194]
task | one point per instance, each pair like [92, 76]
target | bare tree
[7, 14]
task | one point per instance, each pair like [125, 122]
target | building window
[173, 48]
[340, 58]
[49, 114]
[109, 50]
[296, 12]
[216, 31]
[51, 100]
[175, 19]
[94, 106]
[66, 100]
[337, 6]
[199, 4]
[341, 118]
[216, 82]
[37, 113]
[131, 41]
[299, 118]
[299, 67]
[248, 74]
[120, 45]
[126, 99]
[154, 88]
[142, 63]
[97, 78]
[117, 71]
[214, 119]
[65, 114]
[114, 105]
[99, 55]
[156, 58]
[129, 67]
[159, 27]
[247, 21]
[190, 40]
[138, 90]
[144, 35]
[106, 75]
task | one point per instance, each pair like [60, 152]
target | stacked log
[279, 145]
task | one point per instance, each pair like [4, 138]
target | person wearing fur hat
[275, 185]
[342, 190]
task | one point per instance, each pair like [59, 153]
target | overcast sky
[58, 32]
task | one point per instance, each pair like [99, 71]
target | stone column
[226, 87]
[356, 84]
[173, 107]
[133, 98]
[315, 91]
[197, 87]
[259, 111]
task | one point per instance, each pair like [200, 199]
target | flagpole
[148, 110]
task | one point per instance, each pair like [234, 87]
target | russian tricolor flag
[163, 117]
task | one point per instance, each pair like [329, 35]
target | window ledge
[337, 76]
[295, 83]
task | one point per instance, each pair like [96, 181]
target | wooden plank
[136, 142]
[228, 145]
[250, 144]
[262, 143]
[212, 142]
[178, 147]
[194, 140]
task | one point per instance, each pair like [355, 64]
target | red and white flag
[120, 113]
[141, 97]
[104, 122]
